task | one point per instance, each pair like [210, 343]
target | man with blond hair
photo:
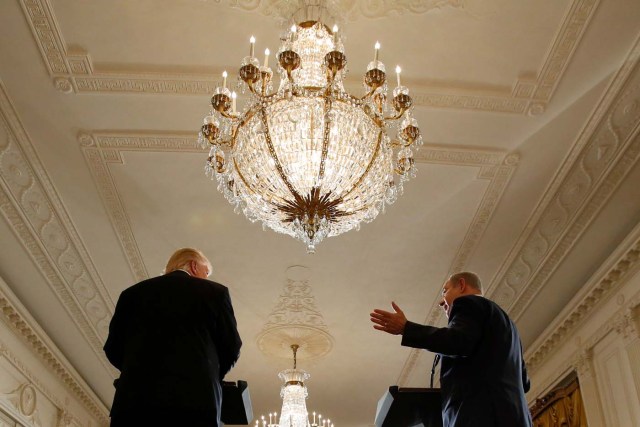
[483, 376]
[173, 338]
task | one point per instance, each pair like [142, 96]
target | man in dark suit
[483, 376]
[173, 338]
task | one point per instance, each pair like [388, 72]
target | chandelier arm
[395, 144]
[366, 172]
[374, 118]
[248, 116]
[229, 115]
[368, 94]
[272, 152]
[397, 116]
[252, 89]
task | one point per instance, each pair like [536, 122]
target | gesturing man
[483, 376]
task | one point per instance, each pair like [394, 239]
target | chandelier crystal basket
[309, 159]
[294, 395]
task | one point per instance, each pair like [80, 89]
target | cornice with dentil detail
[606, 282]
[73, 72]
[16, 317]
[581, 360]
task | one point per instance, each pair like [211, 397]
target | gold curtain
[562, 407]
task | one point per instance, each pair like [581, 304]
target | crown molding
[35, 212]
[17, 317]
[619, 267]
[75, 72]
[103, 148]
[284, 10]
[603, 154]
[581, 360]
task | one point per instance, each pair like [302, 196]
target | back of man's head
[471, 279]
[182, 257]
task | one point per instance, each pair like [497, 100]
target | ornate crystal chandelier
[309, 159]
[294, 395]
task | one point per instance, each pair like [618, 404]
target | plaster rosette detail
[295, 319]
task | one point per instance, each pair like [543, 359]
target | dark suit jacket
[483, 376]
[173, 338]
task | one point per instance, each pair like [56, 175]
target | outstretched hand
[392, 323]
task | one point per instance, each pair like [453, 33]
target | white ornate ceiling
[530, 111]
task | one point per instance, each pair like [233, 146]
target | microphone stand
[436, 360]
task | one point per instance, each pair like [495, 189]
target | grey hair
[470, 279]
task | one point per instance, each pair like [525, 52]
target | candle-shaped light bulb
[266, 57]
[398, 70]
[375, 58]
[233, 101]
[335, 35]
[294, 28]
[314, 417]
[252, 42]
[224, 79]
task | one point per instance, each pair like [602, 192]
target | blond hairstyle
[182, 257]
[470, 278]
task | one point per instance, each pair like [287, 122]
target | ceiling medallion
[308, 159]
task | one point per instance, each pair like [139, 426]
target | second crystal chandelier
[309, 159]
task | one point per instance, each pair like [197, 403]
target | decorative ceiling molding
[602, 155]
[35, 212]
[581, 361]
[75, 72]
[13, 314]
[349, 10]
[295, 320]
[614, 273]
[102, 149]
[105, 147]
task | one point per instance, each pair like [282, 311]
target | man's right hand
[392, 323]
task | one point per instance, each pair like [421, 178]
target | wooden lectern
[410, 407]
[236, 403]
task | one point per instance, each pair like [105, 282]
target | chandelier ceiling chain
[294, 408]
[309, 159]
